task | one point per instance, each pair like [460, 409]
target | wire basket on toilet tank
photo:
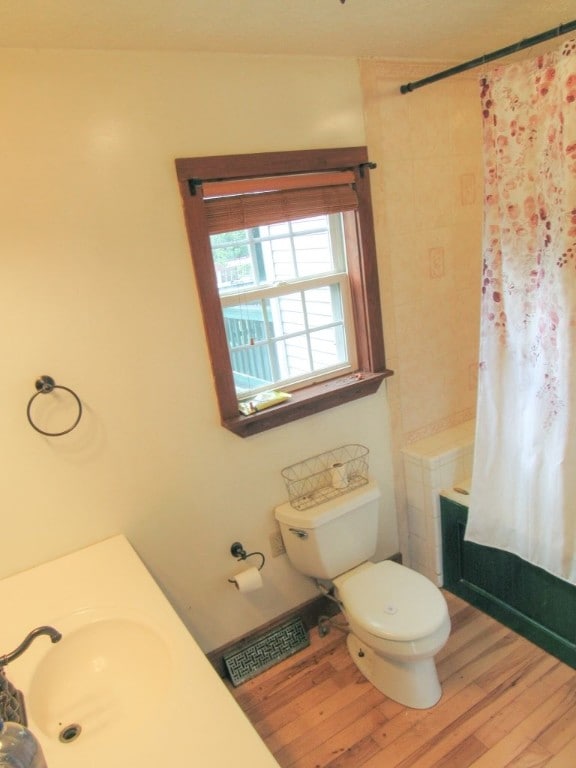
[326, 476]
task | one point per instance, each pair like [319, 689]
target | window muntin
[285, 302]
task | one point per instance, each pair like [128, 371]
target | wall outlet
[277, 544]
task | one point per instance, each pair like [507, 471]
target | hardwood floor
[505, 702]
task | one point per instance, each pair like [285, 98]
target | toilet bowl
[398, 622]
[398, 618]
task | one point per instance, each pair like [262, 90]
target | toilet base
[414, 683]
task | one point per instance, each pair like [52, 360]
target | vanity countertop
[183, 713]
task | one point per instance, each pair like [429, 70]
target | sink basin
[106, 673]
[127, 685]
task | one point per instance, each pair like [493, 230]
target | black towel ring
[45, 385]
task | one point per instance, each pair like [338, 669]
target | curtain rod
[527, 43]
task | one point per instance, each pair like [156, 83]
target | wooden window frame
[362, 271]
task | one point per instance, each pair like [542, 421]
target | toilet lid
[391, 601]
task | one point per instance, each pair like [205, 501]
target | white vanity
[127, 685]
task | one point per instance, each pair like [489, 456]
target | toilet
[398, 619]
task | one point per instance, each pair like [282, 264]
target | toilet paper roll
[339, 474]
[248, 580]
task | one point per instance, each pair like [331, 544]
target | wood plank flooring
[505, 702]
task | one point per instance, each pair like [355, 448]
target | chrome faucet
[12, 706]
[52, 633]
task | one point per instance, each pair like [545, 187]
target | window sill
[307, 401]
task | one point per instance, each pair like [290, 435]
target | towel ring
[45, 385]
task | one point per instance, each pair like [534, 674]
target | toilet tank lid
[320, 514]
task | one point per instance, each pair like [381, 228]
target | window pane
[323, 305]
[278, 252]
[233, 260]
[245, 324]
[278, 258]
[246, 331]
[299, 248]
[251, 368]
[328, 347]
[294, 356]
[288, 314]
[283, 338]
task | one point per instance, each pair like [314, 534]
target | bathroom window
[283, 250]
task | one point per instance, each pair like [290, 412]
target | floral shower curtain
[524, 477]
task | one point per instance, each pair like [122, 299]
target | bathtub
[522, 596]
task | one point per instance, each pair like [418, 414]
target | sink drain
[70, 733]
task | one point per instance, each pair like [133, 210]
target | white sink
[107, 673]
[127, 685]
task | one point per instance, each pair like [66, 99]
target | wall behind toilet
[97, 291]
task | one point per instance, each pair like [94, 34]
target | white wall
[97, 291]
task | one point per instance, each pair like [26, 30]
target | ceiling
[446, 30]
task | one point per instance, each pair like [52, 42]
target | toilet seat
[390, 601]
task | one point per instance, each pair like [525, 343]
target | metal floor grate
[254, 656]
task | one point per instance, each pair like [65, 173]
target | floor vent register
[253, 656]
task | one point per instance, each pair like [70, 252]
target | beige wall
[427, 192]
[97, 291]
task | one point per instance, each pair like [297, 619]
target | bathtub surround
[524, 479]
[431, 465]
[525, 598]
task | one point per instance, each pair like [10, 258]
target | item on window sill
[261, 401]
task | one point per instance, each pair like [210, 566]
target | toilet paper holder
[238, 551]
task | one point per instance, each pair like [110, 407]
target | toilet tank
[333, 537]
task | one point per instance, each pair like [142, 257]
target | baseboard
[310, 612]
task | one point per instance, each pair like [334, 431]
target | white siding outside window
[285, 298]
